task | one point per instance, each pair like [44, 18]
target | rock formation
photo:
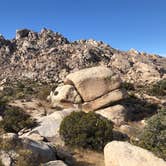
[88, 76]
[124, 154]
[98, 87]
[49, 57]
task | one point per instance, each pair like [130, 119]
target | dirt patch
[36, 108]
[88, 158]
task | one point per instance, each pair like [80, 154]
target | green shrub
[158, 89]
[3, 102]
[86, 130]
[44, 92]
[153, 137]
[128, 86]
[1, 164]
[138, 109]
[24, 157]
[14, 120]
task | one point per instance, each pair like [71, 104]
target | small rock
[55, 163]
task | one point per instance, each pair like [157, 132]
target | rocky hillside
[98, 99]
[49, 57]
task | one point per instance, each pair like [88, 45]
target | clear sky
[124, 24]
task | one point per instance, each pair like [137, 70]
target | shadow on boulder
[138, 109]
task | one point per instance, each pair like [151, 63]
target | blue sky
[124, 24]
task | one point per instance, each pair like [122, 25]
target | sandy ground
[36, 108]
[88, 158]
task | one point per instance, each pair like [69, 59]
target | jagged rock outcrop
[47, 56]
[118, 153]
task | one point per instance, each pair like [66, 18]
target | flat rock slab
[104, 100]
[117, 153]
[117, 114]
[49, 125]
[94, 82]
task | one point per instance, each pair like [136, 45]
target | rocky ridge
[49, 57]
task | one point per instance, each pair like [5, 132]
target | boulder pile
[92, 89]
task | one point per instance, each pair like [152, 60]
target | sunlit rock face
[49, 57]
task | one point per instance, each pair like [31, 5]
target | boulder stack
[92, 89]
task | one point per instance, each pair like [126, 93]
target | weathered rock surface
[10, 136]
[147, 72]
[94, 82]
[40, 150]
[104, 100]
[64, 93]
[33, 136]
[117, 114]
[118, 153]
[55, 163]
[49, 125]
[49, 57]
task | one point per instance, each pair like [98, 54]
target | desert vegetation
[21, 156]
[86, 130]
[15, 119]
[158, 89]
[25, 89]
[153, 136]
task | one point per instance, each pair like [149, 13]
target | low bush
[128, 86]
[26, 89]
[1, 164]
[15, 119]
[158, 89]
[24, 157]
[44, 92]
[86, 130]
[153, 137]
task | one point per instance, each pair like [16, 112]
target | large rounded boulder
[118, 153]
[94, 82]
